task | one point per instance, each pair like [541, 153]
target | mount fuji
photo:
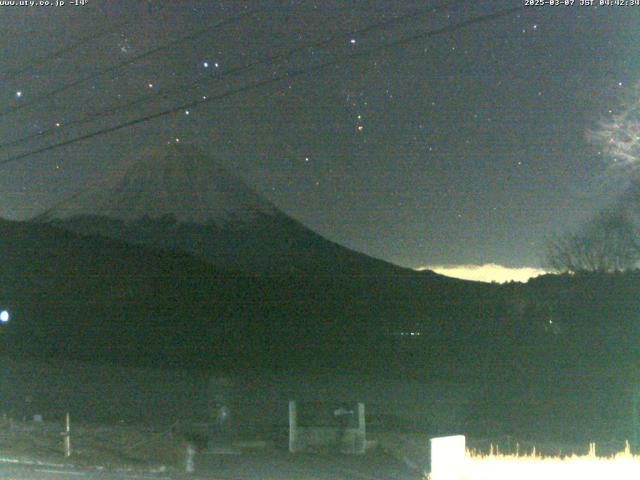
[178, 198]
[174, 250]
[176, 181]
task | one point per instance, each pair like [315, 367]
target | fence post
[189, 464]
[293, 426]
[362, 430]
[634, 417]
[67, 436]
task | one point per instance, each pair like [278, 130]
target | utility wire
[131, 61]
[165, 94]
[45, 59]
[316, 68]
[234, 71]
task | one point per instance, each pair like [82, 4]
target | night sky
[467, 147]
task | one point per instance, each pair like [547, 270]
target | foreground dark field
[34, 451]
[281, 465]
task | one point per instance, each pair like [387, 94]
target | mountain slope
[307, 294]
[178, 198]
[557, 337]
[173, 180]
[93, 298]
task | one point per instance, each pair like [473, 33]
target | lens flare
[618, 137]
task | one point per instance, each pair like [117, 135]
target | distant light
[216, 64]
[205, 64]
[19, 94]
[352, 41]
[488, 272]
[187, 112]
[4, 316]
[150, 85]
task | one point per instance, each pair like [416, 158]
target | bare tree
[611, 240]
[607, 243]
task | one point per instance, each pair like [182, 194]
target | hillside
[180, 198]
[549, 352]
[92, 297]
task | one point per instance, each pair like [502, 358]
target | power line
[65, 50]
[269, 59]
[354, 56]
[132, 60]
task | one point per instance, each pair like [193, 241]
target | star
[124, 45]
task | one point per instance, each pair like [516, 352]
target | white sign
[447, 457]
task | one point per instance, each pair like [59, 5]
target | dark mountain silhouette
[163, 267]
[177, 198]
[306, 293]
[90, 297]
[554, 350]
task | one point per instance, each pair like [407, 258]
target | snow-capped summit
[177, 198]
[174, 180]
